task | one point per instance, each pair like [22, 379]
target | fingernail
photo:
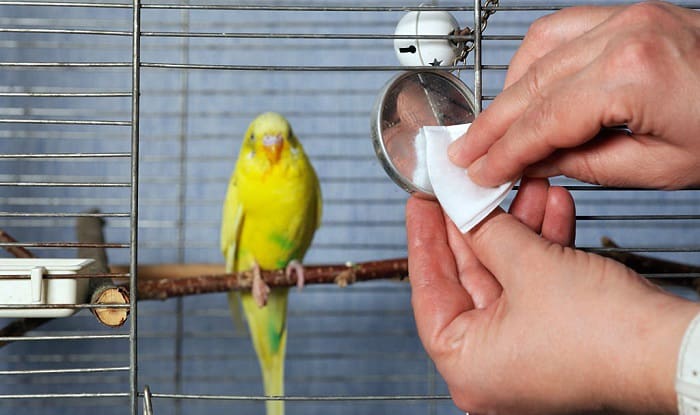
[475, 168]
[453, 150]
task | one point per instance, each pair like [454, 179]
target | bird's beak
[272, 144]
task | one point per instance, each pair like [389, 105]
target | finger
[562, 62]
[550, 32]
[508, 249]
[437, 294]
[559, 222]
[554, 122]
[477, 280]
[613, 160]
[605, 93]
[530, 202]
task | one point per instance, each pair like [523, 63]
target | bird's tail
[268, 330]
[273, 379]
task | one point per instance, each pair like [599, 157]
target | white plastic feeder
[38, 290]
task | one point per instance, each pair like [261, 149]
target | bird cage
[128, 116]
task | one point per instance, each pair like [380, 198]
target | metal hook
[147, 406]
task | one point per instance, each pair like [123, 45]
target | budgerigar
[271, 211]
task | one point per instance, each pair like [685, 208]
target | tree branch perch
[159, 282]
[154, 285]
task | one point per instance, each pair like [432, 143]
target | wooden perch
[154, 284]
[89, 229]
[159, 282]
[111, 317]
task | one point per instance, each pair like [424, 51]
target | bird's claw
[295, 266]
[260, 289]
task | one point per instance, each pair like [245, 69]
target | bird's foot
[260, 289]
[295, 266]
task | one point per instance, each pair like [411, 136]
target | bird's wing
[231, 220]
[319, 203]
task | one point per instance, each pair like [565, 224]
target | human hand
[586, 68]
[518, 322]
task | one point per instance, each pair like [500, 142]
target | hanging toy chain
[487, 10]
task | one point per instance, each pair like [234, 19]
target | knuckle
[641, 51]
[540, 30]
[637, 54]
[533, 81]
[553, 29]
[619, 109]
[589, 168]
[645, 13]
[541, 115]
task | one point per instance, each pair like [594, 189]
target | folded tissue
[464, 201]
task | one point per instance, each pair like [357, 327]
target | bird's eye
[252, 137]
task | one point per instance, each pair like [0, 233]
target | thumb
[508, 248]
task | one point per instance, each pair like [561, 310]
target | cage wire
[74, 137]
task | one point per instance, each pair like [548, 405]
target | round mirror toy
[409, 101]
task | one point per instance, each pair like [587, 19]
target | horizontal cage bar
[82, 337]
[68, 395]
[66, 94]
[64, 155]
[68, 277]
[63, 245]
[63, 371]
[55, 306]
[60, 184]
[302, 398]
[66, 4]
[64, 122]
[66, 31]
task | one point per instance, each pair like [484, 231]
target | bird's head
[269, 135]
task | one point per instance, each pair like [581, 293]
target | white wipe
[465, 202]
[420, 173]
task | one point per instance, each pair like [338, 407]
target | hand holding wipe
[465, 202]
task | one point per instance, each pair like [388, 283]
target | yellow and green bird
[271, 211]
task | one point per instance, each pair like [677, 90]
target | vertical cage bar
[477, 57]
[432, 390]
[133, 237]
[182, 210]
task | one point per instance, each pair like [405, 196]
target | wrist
[688, 371]
[661, 346]
[638, 370]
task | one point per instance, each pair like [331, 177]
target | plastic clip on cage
[38, 290]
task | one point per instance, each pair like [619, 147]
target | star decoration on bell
[435, 62]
